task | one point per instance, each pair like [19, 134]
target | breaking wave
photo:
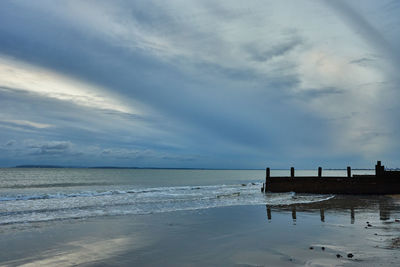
[28, 208]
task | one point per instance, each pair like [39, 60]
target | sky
[200, 84]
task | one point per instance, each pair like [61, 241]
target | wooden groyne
[383, 182]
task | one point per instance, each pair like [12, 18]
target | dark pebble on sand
[369, 225]
[375, 234]
[323, 248]
[311, 248]
[367, 222]
[338, 256]
[350, 255]
[243, 184]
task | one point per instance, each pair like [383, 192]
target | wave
[123, 201]
[61, 195]
[292, 198]
[22, 186]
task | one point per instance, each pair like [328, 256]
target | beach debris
[311, 247]
[369, 225]
[323, 248]
[338, 256]
[350, 255]
[395, 243]
[397, 220]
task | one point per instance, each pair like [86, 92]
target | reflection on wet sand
[385, 204]
[322, 214]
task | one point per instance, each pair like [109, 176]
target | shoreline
[232, 236]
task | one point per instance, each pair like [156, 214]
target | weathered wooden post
[348, 171]
[267, 175]
[292, 172]
[379, 169]
[319, 172]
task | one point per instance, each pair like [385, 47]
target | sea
[32, 195]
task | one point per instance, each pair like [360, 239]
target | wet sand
[295, 235]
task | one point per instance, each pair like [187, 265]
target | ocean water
[41, 195]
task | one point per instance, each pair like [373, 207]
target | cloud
[320, 92]
[365, 61]
[366, 30]
[26, 123]
[260, 54]
[198, 83]
[16, 74]
[10, 143]
[49, 148]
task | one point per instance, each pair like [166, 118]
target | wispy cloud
[19, 75]
[10, 143]
[26, 123]
[50, 148]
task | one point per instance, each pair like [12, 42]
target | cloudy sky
[213, 84]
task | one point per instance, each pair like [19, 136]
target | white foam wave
[62, 205]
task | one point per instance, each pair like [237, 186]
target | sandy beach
[318, 234]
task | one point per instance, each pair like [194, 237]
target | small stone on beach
[338, 256]
[323, 248]
[350, 255]
[311, 248]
